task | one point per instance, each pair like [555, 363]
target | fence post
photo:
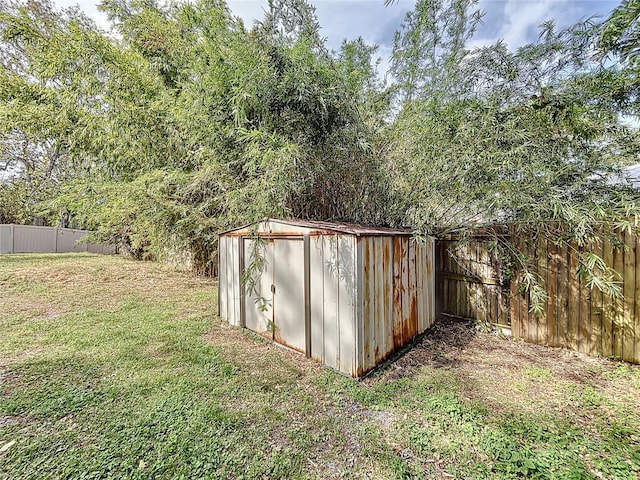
[56, 241]
[13, 238]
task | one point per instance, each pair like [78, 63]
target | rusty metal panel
[288, 295]
[379, 300]
[346, 302]
[369, 303]
[421, 292]
[406, 307]
[370, 314]
[387, 294]
[384, 288]
[413, 290]
[367, 295]
[397, 295]
[431, 282]
[398, 339]
[427, 287]
[426, 284]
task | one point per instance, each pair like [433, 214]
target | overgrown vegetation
[182, 121]
[117, 369]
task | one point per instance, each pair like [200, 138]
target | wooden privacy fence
[471, 285]
[575, 316]
[469, 282]
[32, 239]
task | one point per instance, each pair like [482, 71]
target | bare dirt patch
[505, 372]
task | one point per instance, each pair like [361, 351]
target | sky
[514, 21]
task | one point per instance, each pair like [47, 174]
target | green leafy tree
[182, 121]
[430, 46]
[620, 42]
[527, 138]
[621, 32]
[186, 122]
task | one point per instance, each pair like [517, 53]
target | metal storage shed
[346, 295]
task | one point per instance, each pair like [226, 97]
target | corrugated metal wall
[368, 296]
[258, 298]
[398, 300]
[229, 279]
[332, 264]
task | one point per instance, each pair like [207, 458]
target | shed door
[274, 306]
[288, 299]
[258, 297]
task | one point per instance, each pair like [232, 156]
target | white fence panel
[32, 239]
[29, 239]
[101, 249]
[67, 239]
[6, 238]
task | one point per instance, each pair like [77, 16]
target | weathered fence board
[574, 316]
[469, 284]
[33, 239]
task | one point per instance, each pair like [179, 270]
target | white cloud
[523, 20]
[517, 22]
[248, 10]
[340, 19]
[89, 7]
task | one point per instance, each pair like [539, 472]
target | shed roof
[321, 227]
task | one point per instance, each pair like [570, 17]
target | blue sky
[515, 21]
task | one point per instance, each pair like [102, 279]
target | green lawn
[118, 369]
